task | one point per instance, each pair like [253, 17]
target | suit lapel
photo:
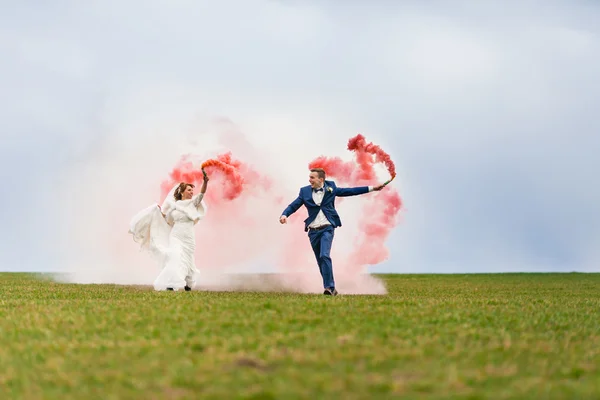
[309, 197]
[326, 192]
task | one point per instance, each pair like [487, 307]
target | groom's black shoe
[170, 288]
[187, 288]
[330, 292]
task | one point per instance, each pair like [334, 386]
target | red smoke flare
[363, 149]
[186, 171]
[379, 215]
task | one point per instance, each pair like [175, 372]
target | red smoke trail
[379, 216]
[363, 149]
[223, 164]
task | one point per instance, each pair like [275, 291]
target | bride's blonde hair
[182, 187]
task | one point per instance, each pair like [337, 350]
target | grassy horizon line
[365, 273]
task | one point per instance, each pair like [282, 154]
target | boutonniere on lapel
[329, 189]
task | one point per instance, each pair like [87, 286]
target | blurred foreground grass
[433, 336]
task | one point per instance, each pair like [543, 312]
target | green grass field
[527, 336]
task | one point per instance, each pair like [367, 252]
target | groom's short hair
[320, 172]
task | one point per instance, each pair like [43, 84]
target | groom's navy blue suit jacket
[327, 204]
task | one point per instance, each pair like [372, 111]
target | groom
[319, 200]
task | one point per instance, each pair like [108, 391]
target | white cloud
[488, 111]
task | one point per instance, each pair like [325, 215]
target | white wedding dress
[171, 239]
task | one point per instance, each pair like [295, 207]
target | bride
[167, 232]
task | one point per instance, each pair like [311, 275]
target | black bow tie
[318, 190]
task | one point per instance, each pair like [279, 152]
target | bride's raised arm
[198, 198]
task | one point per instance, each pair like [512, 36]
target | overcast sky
[489, 110]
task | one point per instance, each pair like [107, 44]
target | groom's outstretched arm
[353, 191]
[294, 206]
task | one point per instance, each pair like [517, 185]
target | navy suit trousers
[321, 241]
